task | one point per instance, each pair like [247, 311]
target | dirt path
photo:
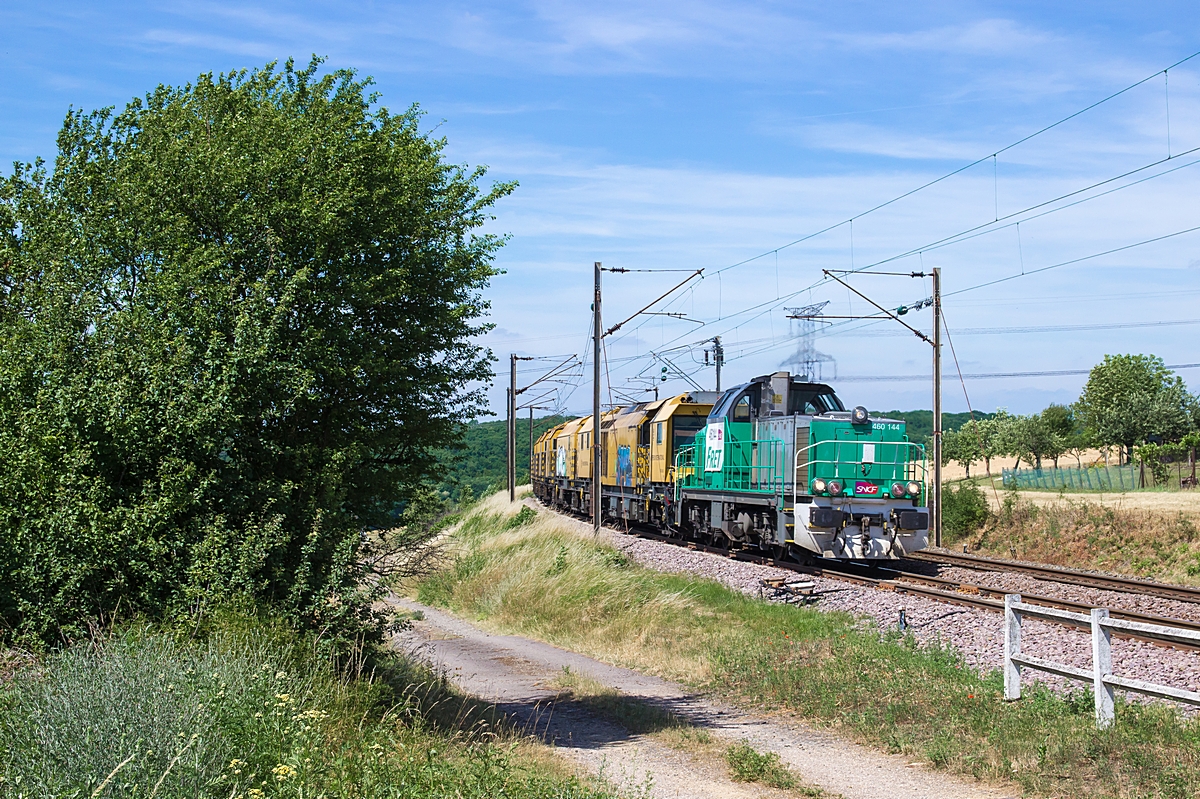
[517, 674]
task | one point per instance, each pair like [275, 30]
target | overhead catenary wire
[755, 311]
[992, 375]
[967, 397]
[963, 168]
[947, 240]
[967, 234]
[1081, 259]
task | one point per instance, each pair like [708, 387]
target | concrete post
[1012, 646]
[1101, 668]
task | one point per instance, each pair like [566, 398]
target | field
[1150, 534]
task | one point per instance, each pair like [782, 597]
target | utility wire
[992, 375]
[961, 236]
[990, 227]
[962, 381]
[991, 331]
[1076, 260]
[961, 169]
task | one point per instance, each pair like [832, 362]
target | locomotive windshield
[814, 401]
[745, 402]
[721, 408]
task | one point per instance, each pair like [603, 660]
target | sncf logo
[866, 488]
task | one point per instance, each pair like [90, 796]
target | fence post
[1102, 667]
[1012, 646]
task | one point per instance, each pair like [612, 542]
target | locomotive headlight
[835, 488]
[859, 415]
[914, 488]
[897, 489]
[819, 486]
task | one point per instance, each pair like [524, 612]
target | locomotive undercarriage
[732, 520]
[865, 529]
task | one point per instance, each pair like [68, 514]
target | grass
[635, 715]
[746, 764]
[542, 580]
[1078, 533]
[247, 711]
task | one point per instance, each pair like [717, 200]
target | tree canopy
[1129, 399]
[235, 331]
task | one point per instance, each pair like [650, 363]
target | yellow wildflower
[283, 772]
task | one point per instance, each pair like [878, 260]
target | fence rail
[1100, 674]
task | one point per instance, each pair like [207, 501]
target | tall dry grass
[1081, 533]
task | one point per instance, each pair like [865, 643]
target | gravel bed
[976, 634]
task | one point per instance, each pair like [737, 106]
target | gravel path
[517, 673]
[977, 634]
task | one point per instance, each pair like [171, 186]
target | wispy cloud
[978, 37]
[208, 41]
[850, 137]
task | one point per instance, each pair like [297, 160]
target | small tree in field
[962, 447]
[1028, 438]
[1130, 398]
[991, 433]
[1059, 423]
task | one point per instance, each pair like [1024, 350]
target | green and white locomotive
[782, 465]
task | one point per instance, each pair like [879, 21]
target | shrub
[251, 345]
[523, 517]
[964, 511]
[749, 765]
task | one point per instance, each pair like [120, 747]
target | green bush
[749, 765]
[236, 331]
[964, 511]
[523, 517]
[248, 712]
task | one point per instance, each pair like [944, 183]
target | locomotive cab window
[741, 409]
[659, 434]
[809, 401]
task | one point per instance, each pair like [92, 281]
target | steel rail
[1060, 574]
[938, 589]
[1037, 599]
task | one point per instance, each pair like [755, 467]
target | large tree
[236, 326]
[1129, 399]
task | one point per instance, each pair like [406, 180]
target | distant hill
[481, 464]
[920, 423]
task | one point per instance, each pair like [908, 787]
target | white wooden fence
[1100, 675]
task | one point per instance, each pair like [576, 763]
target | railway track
[1059, 574]
[954, 592]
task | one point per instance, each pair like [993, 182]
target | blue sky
[700, 134]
